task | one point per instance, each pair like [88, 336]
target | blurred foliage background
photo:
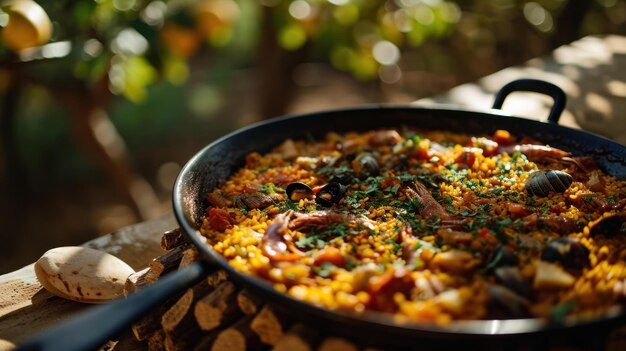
[104, 100]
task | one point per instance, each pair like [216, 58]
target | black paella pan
[216, 162]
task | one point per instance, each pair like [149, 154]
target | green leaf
[494, 262]
[342, 57]
[558, 313]
[364, 67]
[139, 73]
[346, 15]
[175, 69]
[325, 269]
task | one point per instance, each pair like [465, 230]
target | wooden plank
[25, 308]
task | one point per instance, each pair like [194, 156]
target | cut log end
[218, 307]
[268, 326]
[337, 344]
[166, 262]
[136, 281]
[216, 278]
[172, 238]
[172, 318]
[248, 303]
[156, 342]
[231, 340]
[208, 317]
[190, 256]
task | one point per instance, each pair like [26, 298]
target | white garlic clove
[551, 276]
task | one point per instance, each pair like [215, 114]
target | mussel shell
[342, 175]
[330, 194]
[609, 225]
[501, 256]
[512, 278]
[366, 165]
[541, 183]
[508, 301]
[297, 190]
[569, 252]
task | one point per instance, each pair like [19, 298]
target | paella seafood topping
[428, 225]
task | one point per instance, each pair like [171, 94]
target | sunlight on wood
[617, 88]
[590, 71]
[587, 54]
[528, 105]
[107, 135]
[114, 217]
[166, 175]
[600, 104]
[145, 198]
[571, 72]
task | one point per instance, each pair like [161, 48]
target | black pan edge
[213, 164]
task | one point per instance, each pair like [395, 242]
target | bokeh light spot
[300, 9]
[130, 42]
[424, 15]
[538, 16]
[92, 47]
[154, 13]
[386, 53]
[124, 5]
[204, 101]
[390, 74]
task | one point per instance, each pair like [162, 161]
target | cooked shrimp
[536, 153]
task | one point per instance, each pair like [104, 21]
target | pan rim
[467, 328]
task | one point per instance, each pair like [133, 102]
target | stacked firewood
[217, 314]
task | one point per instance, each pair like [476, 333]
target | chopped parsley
[393, 189]
[270, 189]
[325, 269]
[287, 205]
[559, 312]
[416, 205]
[611, 199]
[318, 238]
[497, 190]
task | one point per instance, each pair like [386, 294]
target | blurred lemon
[215, 15]
[181, 40]
[28, 25]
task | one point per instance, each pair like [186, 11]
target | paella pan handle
[93, 327]
[535, 86]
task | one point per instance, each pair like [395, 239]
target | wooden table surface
[591, 71]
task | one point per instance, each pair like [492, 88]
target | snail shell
[541, 183]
